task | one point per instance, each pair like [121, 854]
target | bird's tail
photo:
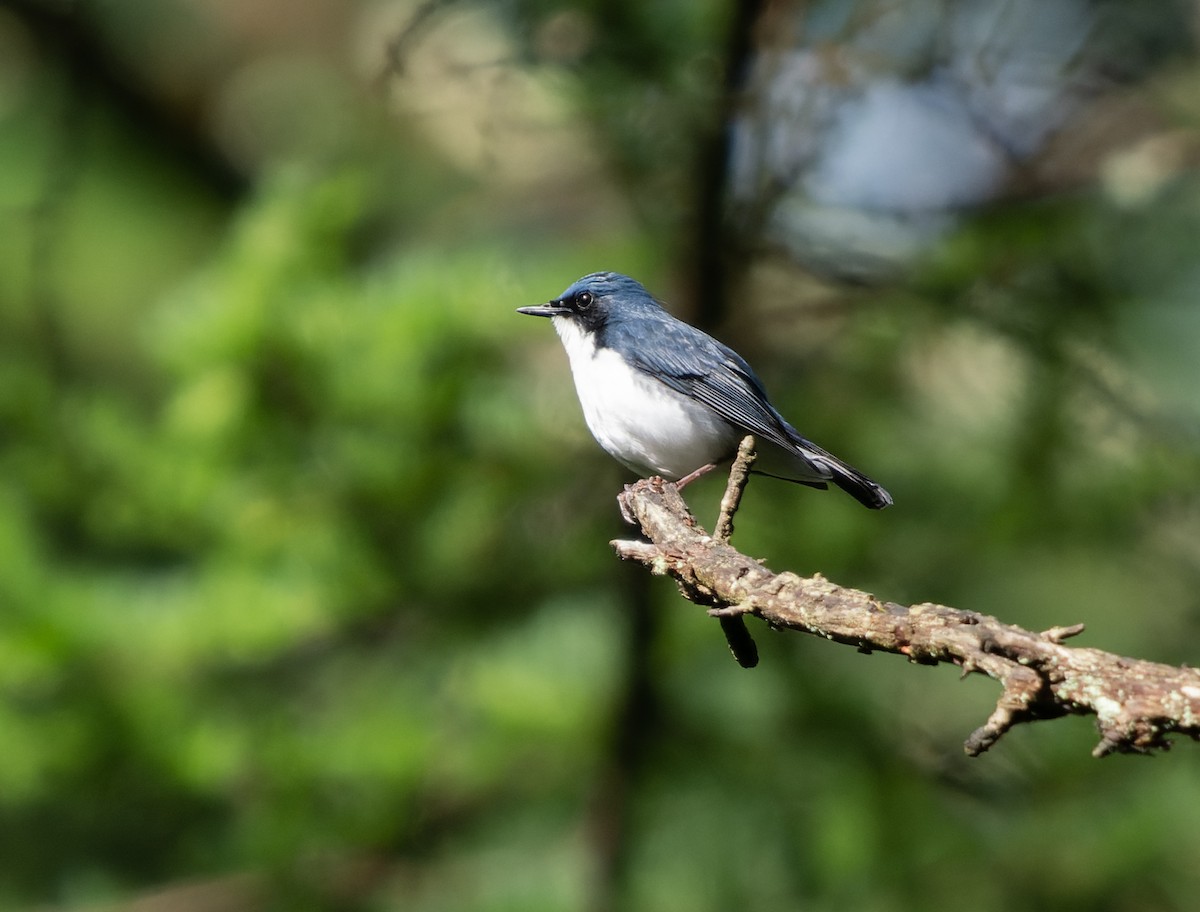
[845, 476]
[859, 486]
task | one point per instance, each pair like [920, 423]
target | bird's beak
[552, 309]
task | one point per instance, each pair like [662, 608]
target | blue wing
[695, 364]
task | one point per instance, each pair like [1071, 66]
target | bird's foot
[623, 503]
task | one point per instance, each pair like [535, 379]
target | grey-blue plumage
[664, 398]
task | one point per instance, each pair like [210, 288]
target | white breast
[643, 423]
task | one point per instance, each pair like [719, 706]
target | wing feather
[711, 373]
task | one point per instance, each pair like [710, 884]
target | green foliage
[305, 572]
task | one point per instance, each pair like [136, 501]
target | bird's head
[596, 299]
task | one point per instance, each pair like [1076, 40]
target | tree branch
[1137, 703]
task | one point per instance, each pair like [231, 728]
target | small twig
[396, 50]
[741, 643]
[1058, 634]
[739, 475]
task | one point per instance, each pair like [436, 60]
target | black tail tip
[879, 499]
[865, 491]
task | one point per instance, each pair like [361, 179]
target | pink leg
[692, 476]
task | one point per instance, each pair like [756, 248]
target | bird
[664, 398]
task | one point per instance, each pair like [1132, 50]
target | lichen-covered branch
[1137, 704]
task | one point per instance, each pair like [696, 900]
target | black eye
[583, 300]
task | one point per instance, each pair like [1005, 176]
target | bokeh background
[306, 598]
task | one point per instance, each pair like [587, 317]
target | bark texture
[1137, 704]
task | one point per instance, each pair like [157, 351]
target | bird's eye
[583, 300]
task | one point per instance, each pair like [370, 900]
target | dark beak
[552, 309]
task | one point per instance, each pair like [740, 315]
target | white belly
[641, 422]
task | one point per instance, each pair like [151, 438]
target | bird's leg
[692, 476]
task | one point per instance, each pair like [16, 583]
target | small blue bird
[666, 399]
